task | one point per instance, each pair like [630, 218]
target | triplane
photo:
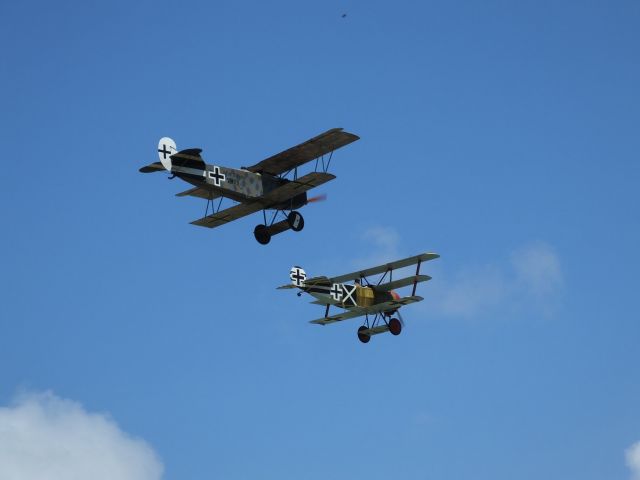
[263, 186]
[377, 302]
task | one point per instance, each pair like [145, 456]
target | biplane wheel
[295, 221]
[363, 337]
[261, 232]
[395, 327]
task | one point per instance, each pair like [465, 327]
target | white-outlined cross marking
[336, 291]
[298, 276]
[164, 151]
[217, 176]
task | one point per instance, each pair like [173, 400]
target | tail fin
[166, 148]
[297, 276]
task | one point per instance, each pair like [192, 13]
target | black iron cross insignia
[298, 276]
[217, 176]
[164, 151]
[336, 292]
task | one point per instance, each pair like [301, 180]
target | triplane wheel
[395, 327]
[261, 232]
[295, 221]
[363, 337]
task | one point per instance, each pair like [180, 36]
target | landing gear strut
[378, 325]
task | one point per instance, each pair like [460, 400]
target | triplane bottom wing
[360, 311]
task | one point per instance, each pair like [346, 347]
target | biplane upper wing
[403, 282]
[274, 197]
[360, 311]
[405, 262]
[305, 152]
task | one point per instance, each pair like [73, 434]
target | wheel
[395, 327]
[363, 337]
[262, 234]
[295, 221]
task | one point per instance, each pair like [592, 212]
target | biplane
[272, 184]
[378, 302]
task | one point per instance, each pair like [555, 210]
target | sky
[501, 135]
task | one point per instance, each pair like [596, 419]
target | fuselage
[353, 295]
[237, 184]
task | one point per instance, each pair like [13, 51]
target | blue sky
[503, 136]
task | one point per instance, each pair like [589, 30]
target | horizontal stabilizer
[153, 167]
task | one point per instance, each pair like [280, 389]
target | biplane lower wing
[360, 311]
[228, 215]
[274, 197]
[200, 193]
[405, 262]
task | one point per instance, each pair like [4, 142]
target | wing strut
[415, 282]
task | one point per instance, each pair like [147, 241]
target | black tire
[295, 221]
[261, 232]
[363, 337]
[395, 327]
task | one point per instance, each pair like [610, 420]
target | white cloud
[44, 437]
[532, 280]
[384, 243]
[537, 269]
[472, 291]
[632, 455]
[529, 278]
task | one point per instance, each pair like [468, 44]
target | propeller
[319, 198]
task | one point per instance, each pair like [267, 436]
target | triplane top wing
[305, 152]
[405, 262]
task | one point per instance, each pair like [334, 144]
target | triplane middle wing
[376, 301]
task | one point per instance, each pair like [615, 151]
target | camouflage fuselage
[237, 184]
